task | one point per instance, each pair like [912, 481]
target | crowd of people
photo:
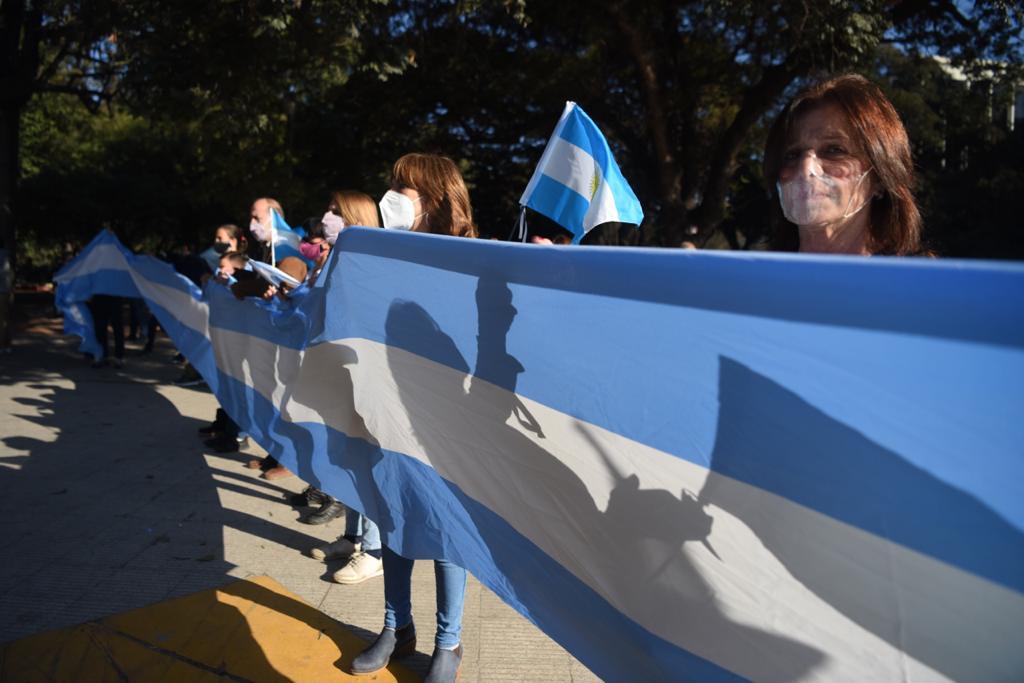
[427, 194]
[837, 157]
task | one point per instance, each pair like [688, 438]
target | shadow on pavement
[107, 500]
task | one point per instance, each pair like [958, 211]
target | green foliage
[218, 102]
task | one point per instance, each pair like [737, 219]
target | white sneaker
[361, 567]
[339, 550]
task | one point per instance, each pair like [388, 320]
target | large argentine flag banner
[680, 465]
[577, 183]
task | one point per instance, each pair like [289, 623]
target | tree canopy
[165, 119]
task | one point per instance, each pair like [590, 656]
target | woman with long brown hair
[839, 159]
[427, 194]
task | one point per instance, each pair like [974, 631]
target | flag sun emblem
[594, 182]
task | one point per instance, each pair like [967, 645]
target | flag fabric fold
[824, 485]
[285, 240]
[577, 183]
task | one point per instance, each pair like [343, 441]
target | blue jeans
[358, 525]
[451, 593]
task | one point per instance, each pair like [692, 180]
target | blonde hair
[442, 189]
[357, 208]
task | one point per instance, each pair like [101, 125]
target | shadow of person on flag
[489, 449]
[886, 543]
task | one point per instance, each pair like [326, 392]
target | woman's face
[418, 223]
[824, 180]
[222, 235]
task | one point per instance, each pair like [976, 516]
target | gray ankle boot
[389, 643]
[444, 665]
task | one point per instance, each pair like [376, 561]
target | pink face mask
[309, 251]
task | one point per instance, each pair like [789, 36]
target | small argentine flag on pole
[577, 183]
[284, 241]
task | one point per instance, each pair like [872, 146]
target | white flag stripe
[573, 167]
[602, 208]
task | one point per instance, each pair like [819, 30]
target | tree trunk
[666, 165]
[756, 101]
[10, 127]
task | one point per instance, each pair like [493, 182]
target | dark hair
[236, 258]
[314, 229]
[895, 222]
[235, 233]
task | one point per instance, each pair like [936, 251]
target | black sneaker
[331, 509]
[308, 497]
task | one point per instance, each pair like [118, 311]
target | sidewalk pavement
[111, 503]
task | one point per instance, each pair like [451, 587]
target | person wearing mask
[261, 226]
[428, 194]
[229, 243]
[360, 545]
[839, 160]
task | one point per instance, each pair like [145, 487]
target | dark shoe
[310, 496]
[444, 665]
[190, 377]
[331, 509]
[214, 427]
[226, 444]
[389, 643]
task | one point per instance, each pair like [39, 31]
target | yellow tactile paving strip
[250, 630]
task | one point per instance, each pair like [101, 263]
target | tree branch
[657, 118]
[756, 101]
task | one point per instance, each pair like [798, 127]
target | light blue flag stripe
[561, 204]
[836, 453]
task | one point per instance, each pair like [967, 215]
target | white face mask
[259, 231]
[809, 200]
[333, 225]
[397, 211]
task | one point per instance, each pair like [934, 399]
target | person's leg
[151, 325]
[117, 322]
[397, 589]
[370, 534]
[451, 594]
[353, 525]
[100, 318]
[6, 306]
[134, 318]
[399, 635]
